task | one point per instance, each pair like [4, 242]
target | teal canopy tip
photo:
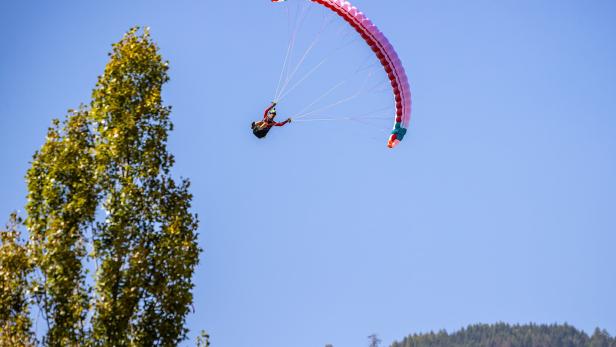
[399, 131]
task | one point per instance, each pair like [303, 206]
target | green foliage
[111, 156]
[203, 340]
[146, 247]
[61, 204]
[505, 335]
[15, 269]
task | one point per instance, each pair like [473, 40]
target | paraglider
[261, 128]
[387, 57]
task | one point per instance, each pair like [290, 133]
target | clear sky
[500, 205]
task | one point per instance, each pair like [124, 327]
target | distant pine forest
[506, 335]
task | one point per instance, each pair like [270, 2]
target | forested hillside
[505, 335]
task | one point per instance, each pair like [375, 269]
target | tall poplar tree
[101, 196]
[146, 246]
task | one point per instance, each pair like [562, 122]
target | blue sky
[498, 206]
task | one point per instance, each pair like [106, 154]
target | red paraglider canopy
[388, 57]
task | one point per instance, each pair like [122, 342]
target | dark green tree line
[505, 335]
